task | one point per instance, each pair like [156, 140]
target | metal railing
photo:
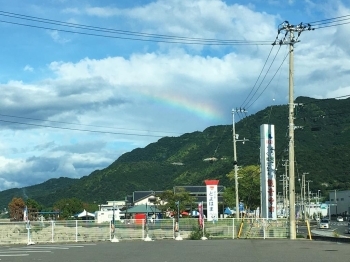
[90, 231]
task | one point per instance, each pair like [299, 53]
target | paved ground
[186, 250]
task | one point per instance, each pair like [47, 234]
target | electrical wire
[69, 123]
[268, 82]
[94, 28]
[77, 129]
[268, 70]
[242, 105]
[320, 27]
[330, 22]
[136, 36]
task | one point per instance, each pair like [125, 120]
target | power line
[332, 25]
[269, 81]
[69, 123]
[330, 22]
[94, 28]
[82, 130]
[136, 36]
[258, 77]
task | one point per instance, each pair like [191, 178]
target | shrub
[197, 233]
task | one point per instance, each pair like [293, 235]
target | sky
[83, 82]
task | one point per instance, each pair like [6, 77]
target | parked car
[340, 219]
[324, 223]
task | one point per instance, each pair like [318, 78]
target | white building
[317, 210]
[106, 211]
[340, 202]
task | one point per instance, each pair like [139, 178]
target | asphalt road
[186, 250]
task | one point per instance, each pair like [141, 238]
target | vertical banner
[200, 215]
[212, 199]
[268, 172]
[25, 214]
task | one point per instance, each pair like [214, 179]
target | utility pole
[291, 29]
[285, 186]
[303, 194]
[308, 196]
[235, 139]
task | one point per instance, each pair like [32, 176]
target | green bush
[197, 233]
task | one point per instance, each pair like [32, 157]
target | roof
[140, 195]
[143, 209]
[85, 214]
[198, 189]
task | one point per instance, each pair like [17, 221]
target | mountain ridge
[322, 148]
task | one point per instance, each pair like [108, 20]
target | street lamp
[235, 139]
[114, 239]
[146, 223]
[126, 208]
[318, 203]
[113, 218]
[177, 223]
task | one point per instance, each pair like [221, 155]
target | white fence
[89, 231]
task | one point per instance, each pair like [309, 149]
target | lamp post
[177, 223]
[336, 202]
[113, 218]
[235, 139]
[114, 239]
[318, 203]
[146, 224]
[126, 208]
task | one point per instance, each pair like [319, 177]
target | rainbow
[206, 111]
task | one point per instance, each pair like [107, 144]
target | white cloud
[28, 68]
[103, 11]
[55, 35]
[75, 11]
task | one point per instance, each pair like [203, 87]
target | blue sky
[128, 93]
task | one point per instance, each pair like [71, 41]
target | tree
[248, 186]
[68, 207]
[16, 207]
[32, 204]
[229, 197]
[170, 199]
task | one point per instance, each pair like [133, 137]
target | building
[339, 202]
[107, 211]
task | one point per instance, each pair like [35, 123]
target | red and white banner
[200, 216]
[268, 172]
[212, 199]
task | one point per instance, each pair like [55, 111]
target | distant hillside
[37, 191]
[322, 148]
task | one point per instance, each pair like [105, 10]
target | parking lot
[186, 250]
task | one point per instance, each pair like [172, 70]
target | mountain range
[322, 149]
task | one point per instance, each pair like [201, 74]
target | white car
[324, 223]
[340, 219]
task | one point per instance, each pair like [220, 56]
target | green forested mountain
[322, 148]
